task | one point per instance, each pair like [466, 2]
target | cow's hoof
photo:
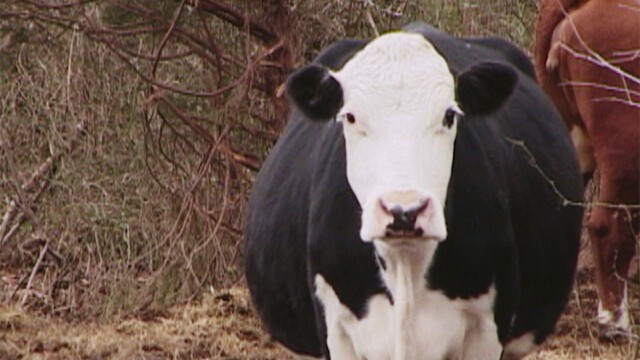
[613, 324]
[612, 334]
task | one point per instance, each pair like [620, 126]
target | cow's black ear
[484, 87]
[315, 92]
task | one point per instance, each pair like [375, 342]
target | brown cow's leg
[602, 102]
[613, 244]
[614, 131]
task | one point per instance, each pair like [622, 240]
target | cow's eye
[449, 118]
[351, 119]
[354, 126]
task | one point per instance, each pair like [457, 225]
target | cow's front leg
[613, 244]
[338, 341]
[481, 341]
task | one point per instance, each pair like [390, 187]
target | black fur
[510, 53]
[506, 225]
[484, 87]
[336, 55]
[277, 271]
[316, 93]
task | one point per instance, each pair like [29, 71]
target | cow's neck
[404, 273]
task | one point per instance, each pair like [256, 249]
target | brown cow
[587, 59]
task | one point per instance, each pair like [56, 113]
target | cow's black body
[507, 226]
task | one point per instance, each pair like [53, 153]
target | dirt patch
[579, 336]
[222, 325]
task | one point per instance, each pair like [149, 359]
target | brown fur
[610, 139]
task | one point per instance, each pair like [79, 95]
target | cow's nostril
[413, 212]
[399, 214]
[404, 217]
[405, 220]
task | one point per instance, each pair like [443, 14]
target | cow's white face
[399, 119]
[398, 103]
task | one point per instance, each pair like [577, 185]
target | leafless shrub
[178, 102]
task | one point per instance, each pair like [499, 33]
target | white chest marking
[519, 347]
[420, 324]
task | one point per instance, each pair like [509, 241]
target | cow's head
[400, 107]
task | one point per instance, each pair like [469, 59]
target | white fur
[621, 321]
[406, 266]
[398, 88]
[337, 319]
[399, 152]
[420, 324]
[519, 347]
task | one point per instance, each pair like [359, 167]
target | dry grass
[579, 336]
[145, 212]
[222, 326]
[95, 207]
[147, 208]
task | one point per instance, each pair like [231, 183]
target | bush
[148, 121]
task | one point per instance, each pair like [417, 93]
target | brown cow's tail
[546, 51]
[550, 15]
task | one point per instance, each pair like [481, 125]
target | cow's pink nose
[404, 217]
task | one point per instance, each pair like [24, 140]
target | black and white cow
[411, 208]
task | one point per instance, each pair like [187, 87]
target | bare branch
[165, 38]
[600, 86]
[565, 201]
[617, 100]
[596, 59]
[48, 5]
[21, 203]
[35, 270]
[236, 18]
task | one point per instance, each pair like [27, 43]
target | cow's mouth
[404, 233]
[407, 216]
[394, 234]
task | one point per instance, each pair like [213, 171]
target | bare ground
[222, 325]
